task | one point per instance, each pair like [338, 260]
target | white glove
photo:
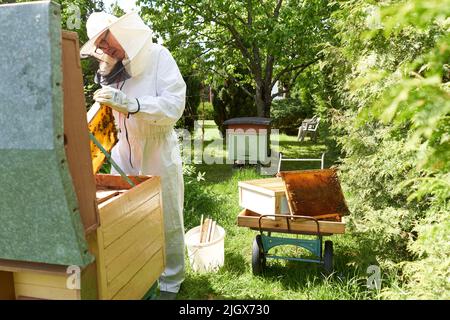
[116, 99]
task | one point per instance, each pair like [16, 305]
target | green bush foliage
[230, 101]
[199, 198]
[191, 112]
[206, 111]
[287, 114]
[384, 92]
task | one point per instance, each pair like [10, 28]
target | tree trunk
[263, 99]
[267, 98]
[259, 100]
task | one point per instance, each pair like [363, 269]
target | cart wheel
[328, 257]
[258, 256]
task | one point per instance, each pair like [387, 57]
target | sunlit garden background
[376, 73]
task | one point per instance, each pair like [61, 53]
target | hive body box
[248, 140]
[265, 196]
[129, 248]
[65, 233]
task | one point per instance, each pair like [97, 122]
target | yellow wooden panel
[133, 268]
[42, 292]
[143, 280]
[129, 256]
[137, 233]
[130, 235]
[110, 211]
[40, 279]
[94, 241]
[162, 232]
[126, 222]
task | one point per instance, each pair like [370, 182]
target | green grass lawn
[217, 197]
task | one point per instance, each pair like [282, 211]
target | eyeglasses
[103, 45]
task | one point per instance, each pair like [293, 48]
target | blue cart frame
[263, 243]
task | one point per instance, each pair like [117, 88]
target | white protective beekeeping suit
[147, 143]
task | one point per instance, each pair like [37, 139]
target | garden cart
[316, 205]
[265, 242]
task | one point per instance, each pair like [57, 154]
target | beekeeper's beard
[111, 71]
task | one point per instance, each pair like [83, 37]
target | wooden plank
[211, 233]
[89, 283]
[162, 232]
[42, 292]
[39, 279]
[51, 282]
[250, 219]
[7, 286]
[97, 249]
[103, 195]
[122, 225]
[76, 138]
[278, 200]
[23, 266]
[128, 201]
[204, 230]
[133, 268]
[143, 280]
[273, 182]
[137, 233]
[269, 186]
[129, 257]
[27, 298]
[116, 182]
[284, 205]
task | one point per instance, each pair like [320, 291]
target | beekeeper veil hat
[130, 31]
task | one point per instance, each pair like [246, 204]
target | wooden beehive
[122, 226]
[248, 139]
[129, 246]
[263, 196]
[129, 241]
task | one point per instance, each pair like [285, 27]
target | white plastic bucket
[205, 257]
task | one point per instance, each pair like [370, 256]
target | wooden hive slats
[127, 202]
[140, 283]
[123, 224]
[140, 259]
[130, 240]
[44, 286]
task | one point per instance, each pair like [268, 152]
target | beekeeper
[141, 82]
